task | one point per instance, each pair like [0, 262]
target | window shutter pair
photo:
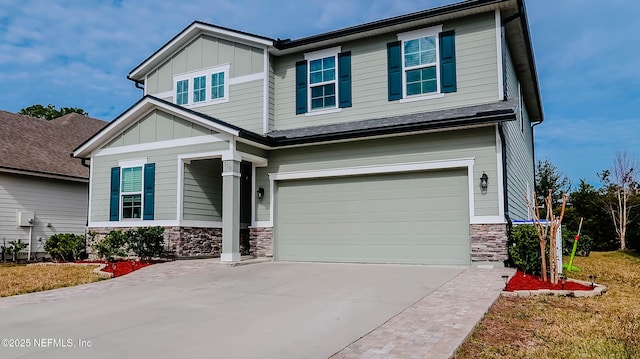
[447, 66]
[148, 192]
[343, 83]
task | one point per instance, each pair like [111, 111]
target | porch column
[230, 209]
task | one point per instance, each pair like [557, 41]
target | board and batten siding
[519, 149]
[478, 143]
[202, 195]
[63, 204]
[476, 66]
[202, 53]
[245, 106]
[166, 161]
[158, 126]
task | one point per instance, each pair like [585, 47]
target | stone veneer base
[261, 241]
[489, 242]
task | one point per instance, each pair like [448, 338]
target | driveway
[201, 308]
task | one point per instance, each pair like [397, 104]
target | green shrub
[65, 246]
[524, 249]
[14, 248]
[146, 242]
[584, 243]
[113, 245]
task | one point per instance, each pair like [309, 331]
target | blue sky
[78, 54]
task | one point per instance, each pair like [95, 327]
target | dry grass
[551, 327]
[19, 279]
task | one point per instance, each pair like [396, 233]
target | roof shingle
[43, 147]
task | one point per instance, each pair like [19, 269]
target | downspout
[83, 161]
[138, 83]
[503, 144]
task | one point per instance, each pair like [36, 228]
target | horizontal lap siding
[61, 203]
[519, 150]
[244, 108]
[203, 190]
[476, 66]
[166, 161]
[473, 143]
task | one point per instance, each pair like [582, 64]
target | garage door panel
[419, 217]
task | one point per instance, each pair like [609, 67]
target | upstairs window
[182, 92]
[200, 89]
[323, 81]
[217, 85]
[194, 89]
[421, 64]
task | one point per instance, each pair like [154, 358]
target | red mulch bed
[120, 268]
[522, 281]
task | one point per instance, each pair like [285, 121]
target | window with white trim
[322, 79]
[131, 192]
[420, 62]
[203, 87]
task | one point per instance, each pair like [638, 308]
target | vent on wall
[26, 219]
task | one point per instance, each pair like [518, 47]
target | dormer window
[201, 88]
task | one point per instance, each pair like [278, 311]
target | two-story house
[404, 140]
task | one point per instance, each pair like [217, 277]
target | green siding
[205, 52]
[519, 149]
[418, 217]
[244, 108]
[475, 48]
[166, 161]
[246, 148]
[473, 143]
[158, 126]
[202, 193]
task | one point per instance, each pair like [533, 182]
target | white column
[230, 209]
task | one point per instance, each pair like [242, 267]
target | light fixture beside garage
[484, 181]
[260, 192]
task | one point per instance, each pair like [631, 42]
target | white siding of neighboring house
[62, 204]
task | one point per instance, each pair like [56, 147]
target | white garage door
[413, 217]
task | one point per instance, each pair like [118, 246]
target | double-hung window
[131, 192]
[323, 81]
[201, 88]
[421, 64]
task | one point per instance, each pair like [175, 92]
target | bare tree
[620, 186]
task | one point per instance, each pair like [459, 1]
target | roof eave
[185, 36]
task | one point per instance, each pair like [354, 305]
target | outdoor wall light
[260, 192]
[484, 181]
[505, 278]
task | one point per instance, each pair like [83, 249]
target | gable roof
[38, 147]
[517, 35]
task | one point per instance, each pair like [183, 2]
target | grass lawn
[555, 327]
[19, 279]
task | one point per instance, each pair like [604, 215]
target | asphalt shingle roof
[43, 147]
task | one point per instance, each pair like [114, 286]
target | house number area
[45, 343]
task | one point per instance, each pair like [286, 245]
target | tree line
[611, 216]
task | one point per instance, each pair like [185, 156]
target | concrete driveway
[189, 309]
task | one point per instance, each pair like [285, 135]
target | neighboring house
[43, 190]
[366, 144]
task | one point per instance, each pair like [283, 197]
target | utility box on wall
[26, 219]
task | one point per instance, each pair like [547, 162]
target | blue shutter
[394, 70]
[149, 190]
[114, 205]
[301, 87]
[447, 62]
[344, 79]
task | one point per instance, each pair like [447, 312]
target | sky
[78, 54]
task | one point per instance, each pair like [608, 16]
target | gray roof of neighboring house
[461, 116]
[41, 147]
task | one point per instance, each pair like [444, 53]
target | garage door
[415, 217]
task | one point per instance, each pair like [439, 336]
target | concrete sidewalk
[267, 310]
